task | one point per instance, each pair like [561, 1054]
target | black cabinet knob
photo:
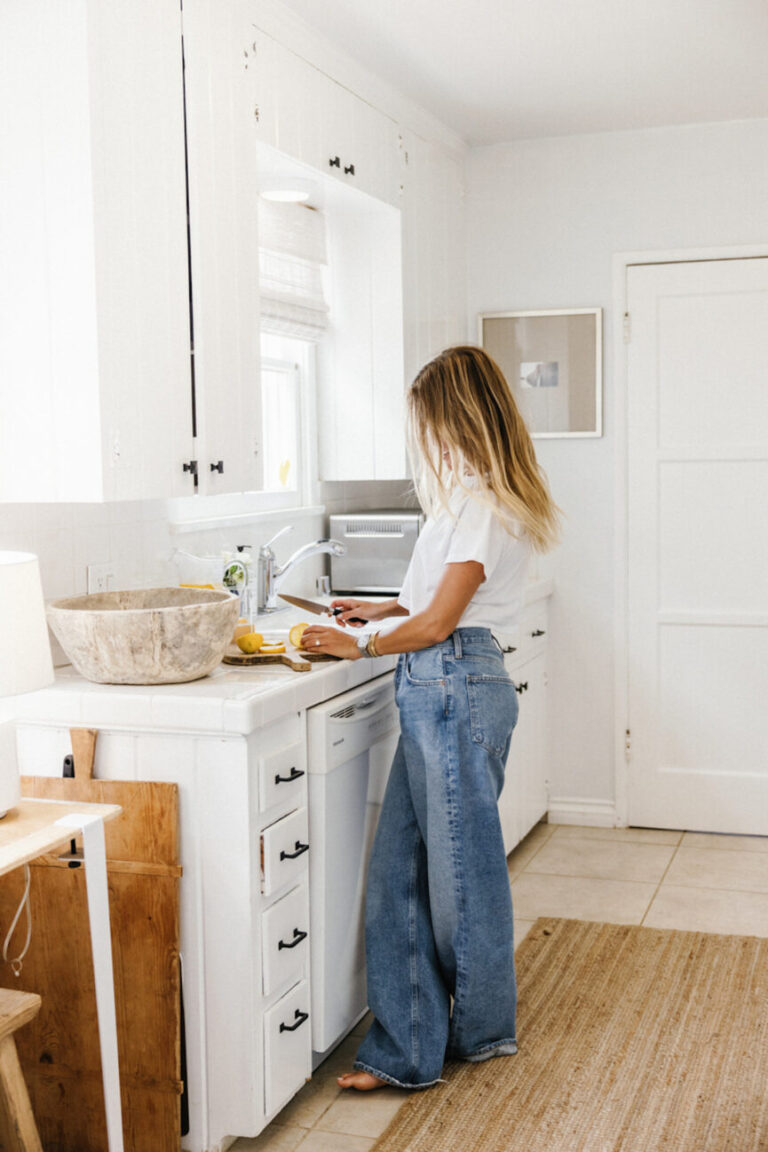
[191, 467]
[538, 632]
[334, 162]
[349, 170]
[218, 467]
[522, 687]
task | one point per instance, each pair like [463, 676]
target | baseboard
[590, 813]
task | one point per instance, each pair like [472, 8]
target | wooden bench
[18, 1130]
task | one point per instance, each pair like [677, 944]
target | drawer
[283, 777]
[284, 850]
[285, 940]
[287, 1047]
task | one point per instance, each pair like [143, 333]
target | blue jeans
[438, 901]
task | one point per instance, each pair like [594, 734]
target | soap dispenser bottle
[246, 602]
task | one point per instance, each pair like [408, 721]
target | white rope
[16, 964]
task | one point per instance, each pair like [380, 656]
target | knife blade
[317, 608]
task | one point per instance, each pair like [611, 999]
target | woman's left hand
[330, 641]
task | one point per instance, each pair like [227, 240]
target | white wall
[544, 220]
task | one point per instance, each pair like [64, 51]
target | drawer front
[285, 940]
[284, 851]
[283, 777]
[287, 1047]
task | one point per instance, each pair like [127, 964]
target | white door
[697, 410]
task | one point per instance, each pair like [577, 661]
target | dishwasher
[351, 741]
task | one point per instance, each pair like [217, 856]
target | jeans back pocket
[493, 710]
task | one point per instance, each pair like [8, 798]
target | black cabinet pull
[191, 467]
[509, 648]
[538, 632]
[299, 849]
[349, 171]
[299, 1017]
[521, 687]
[219, 467]
[335, 162]
[298, 936]
[295, 775]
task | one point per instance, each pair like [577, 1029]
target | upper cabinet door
[224, 244]
[434, 270]
[298, 109]
[94, 312]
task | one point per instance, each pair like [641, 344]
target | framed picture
[553, 363]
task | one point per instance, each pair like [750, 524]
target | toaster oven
[379, 546]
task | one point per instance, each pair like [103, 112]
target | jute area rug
[630, 1040]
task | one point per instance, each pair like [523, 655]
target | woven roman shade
[292, 255]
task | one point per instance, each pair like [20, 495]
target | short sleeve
[477, 535]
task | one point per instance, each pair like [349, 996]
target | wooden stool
[17, 1123]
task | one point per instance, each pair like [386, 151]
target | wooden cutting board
[299, 663]
[59, 1050]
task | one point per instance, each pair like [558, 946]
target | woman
[439, 932]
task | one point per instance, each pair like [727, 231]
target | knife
[319, 609]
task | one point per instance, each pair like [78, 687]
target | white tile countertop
[231, 700]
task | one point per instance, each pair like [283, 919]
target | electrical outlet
[100, 577]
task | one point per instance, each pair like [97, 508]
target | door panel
[697, 405]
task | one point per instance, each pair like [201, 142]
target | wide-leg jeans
[438, 903]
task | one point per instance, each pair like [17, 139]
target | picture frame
[552, 360]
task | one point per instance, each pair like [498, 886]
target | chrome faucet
[270, 575]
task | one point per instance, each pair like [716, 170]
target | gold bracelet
[371, 645]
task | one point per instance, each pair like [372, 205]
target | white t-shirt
[470, 531]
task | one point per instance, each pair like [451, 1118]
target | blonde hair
[460, 402]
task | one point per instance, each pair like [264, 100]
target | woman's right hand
[361, 610]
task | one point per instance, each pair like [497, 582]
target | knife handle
[352, 619]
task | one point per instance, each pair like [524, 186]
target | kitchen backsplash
[137, 540]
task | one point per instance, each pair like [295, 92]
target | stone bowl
[146, 636]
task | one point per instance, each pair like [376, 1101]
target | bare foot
[362, 1081]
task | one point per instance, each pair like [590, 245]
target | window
[287, 400]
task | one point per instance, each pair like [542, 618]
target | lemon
[296, 634]
[250, 643]
[272, 648]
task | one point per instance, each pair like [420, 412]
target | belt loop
[456, 644]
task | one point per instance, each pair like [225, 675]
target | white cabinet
[307, 115]
[524, 798]
[434, 272]
[224, 247]
[94, 307]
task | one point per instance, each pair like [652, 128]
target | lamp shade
[25, 651]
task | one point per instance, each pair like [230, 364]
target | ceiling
[497, 70]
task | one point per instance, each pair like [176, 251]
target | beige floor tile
[362, 1113]
[314, 1099]
[579, 898]
[602, 859]
[714, 868]
[317, 1141]
[274, 1138]
[522, 928]
[527, 848]
[715, 840]
[709, 910]
[631, 835]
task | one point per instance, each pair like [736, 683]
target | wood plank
[148, 828]
[59, 1050]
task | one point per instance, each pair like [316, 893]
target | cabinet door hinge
[627, 745]
[627, 328]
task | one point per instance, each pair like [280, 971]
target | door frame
[622, 261]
